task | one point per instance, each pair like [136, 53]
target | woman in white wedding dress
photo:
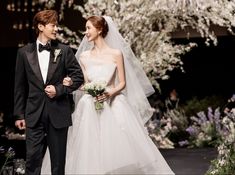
[112, 140]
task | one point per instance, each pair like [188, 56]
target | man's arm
[74, 71]
[19, 91]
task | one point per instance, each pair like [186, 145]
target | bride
[111, 140]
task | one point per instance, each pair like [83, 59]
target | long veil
[138, 86]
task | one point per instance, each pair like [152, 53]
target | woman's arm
[121, 76]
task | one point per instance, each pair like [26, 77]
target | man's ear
[40, 27]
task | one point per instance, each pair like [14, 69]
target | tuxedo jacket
[29, 95]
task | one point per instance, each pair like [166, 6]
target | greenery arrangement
[195, 104]
[205, 129]
[225, 162]
[210, 128]
[9, 154]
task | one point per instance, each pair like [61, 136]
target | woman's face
[91, 32]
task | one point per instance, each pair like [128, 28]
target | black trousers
[37, 140]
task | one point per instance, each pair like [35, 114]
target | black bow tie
[44, 47]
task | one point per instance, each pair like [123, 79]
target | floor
[185, 161]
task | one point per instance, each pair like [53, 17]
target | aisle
[185, 161]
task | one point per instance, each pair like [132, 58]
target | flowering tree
[148, 24]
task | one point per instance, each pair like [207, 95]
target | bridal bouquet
[95, 89]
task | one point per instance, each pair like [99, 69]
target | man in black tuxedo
[42, 105]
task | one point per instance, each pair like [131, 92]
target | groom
[41, 103]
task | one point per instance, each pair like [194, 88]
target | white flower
[95, 89]
[57, 52]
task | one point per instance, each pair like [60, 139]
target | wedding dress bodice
[98, 70]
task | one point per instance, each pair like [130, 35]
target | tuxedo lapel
[55, 56]
[33, 61]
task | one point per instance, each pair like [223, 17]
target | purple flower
[183, 143]
[191, 130]
[210, 114]
[217, 114]
[202, 117]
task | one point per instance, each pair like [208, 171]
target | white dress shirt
[43, 59]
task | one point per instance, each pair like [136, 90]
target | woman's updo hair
[100, 24]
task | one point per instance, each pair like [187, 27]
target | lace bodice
[98, 70]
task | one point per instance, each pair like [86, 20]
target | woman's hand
[67, 81]
[106, 95]
[101, 98]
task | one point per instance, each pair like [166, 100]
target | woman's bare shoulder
[117, 54]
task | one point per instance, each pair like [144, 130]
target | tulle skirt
[110, 141]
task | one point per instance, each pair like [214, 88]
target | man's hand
[20, 124]
[67, 81]
[50, 91]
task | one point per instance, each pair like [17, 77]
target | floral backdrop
[148, 25]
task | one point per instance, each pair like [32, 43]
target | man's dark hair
[44, 17]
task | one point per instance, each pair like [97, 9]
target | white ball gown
[111, 141]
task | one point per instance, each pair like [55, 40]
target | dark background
[208, 70]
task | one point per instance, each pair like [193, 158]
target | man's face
[48, 31]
